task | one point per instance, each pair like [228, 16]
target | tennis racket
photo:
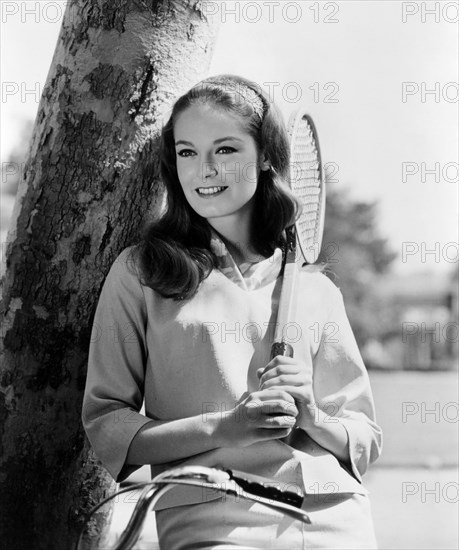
[304, 238]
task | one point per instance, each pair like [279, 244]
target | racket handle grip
[281, 348]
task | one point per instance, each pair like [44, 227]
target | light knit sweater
[192, 357]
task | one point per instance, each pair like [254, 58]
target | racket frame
[296, 251]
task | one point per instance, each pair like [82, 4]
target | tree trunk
[90, 179]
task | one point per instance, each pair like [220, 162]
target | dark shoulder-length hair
[174, 253]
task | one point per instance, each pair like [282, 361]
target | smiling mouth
[210, 191]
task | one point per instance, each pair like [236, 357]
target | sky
[378, 77]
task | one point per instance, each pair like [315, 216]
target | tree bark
[90, 179]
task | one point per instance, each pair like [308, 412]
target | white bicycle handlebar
[240, 484]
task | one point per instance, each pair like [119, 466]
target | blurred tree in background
[357, 257]
[11, 173]
[12, 169]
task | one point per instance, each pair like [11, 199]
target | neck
[237, 239]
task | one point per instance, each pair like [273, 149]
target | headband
[248, 94]
[253, 98]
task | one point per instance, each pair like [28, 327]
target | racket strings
[306, 183]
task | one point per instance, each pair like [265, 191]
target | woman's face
[217, 163]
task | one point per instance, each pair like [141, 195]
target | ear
[265, 163]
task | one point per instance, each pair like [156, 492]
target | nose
[208, 169]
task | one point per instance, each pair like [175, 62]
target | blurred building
[424, 332]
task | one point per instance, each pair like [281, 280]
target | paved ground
[414, 486]
[415, 508]
[418, 412]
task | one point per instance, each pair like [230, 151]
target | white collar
[248, 276]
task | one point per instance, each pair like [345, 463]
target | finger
[279, 408]
[278, 422]
[278, 371]
[278, 360]
[273, 394]
[298, 393]
[284, 380]
[257, 412]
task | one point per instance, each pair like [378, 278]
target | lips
[209, 191]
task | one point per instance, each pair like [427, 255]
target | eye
[227, 150]
[185, 153]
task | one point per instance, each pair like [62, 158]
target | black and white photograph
[229, 276]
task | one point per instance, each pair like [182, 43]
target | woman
[187, 319]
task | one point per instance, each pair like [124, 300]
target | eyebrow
[220, 140]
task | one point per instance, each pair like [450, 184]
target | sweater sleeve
[114, 388]
[342, 386]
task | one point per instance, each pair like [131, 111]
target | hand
[295, 378]
[261, 416]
